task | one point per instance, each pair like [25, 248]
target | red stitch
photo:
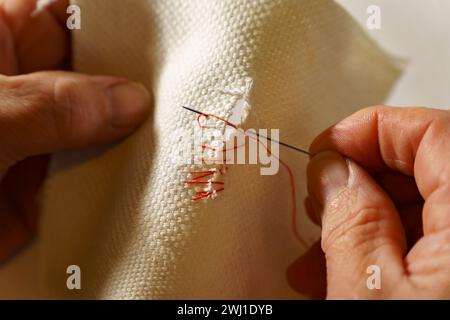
[203, 182]
[202, 174]
[206, 194]
[216, 117]
[197, 181]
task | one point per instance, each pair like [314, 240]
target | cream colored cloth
[124, 213]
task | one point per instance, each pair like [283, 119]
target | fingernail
[328, 174]
[129, 104]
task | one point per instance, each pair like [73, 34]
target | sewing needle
[262, 136]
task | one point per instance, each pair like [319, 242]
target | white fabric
[124, 214]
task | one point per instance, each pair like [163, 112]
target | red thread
[216, 117]
[205, 194]
[199, 175]
[197, 179]
[293, 193]
[204, 182]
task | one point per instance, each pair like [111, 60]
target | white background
[415, 30]
[419, 32]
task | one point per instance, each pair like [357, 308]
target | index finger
[413, 141]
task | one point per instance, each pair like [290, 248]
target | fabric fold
[124, 213]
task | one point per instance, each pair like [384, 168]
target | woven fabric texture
[124, 213]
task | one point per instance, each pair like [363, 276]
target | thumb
[360, 227]
[50, 111]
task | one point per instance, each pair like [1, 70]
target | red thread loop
[207, 177]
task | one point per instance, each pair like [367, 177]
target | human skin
[382, 197]
[44, 111]
[379, 186]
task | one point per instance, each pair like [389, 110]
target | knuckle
[73, 110]
[439, 124]
[64, 110]
[355, 230]
[24, 99]
[20, 96]
[376, 111]
[21, 108]
[375, 108]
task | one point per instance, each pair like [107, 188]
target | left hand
[42, 111]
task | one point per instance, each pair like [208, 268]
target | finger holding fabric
[44, 112]
[363, 216]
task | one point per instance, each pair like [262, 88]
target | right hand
[382, 197]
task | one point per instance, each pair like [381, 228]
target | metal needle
[262, 136]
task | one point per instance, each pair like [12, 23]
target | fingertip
[129, 104]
